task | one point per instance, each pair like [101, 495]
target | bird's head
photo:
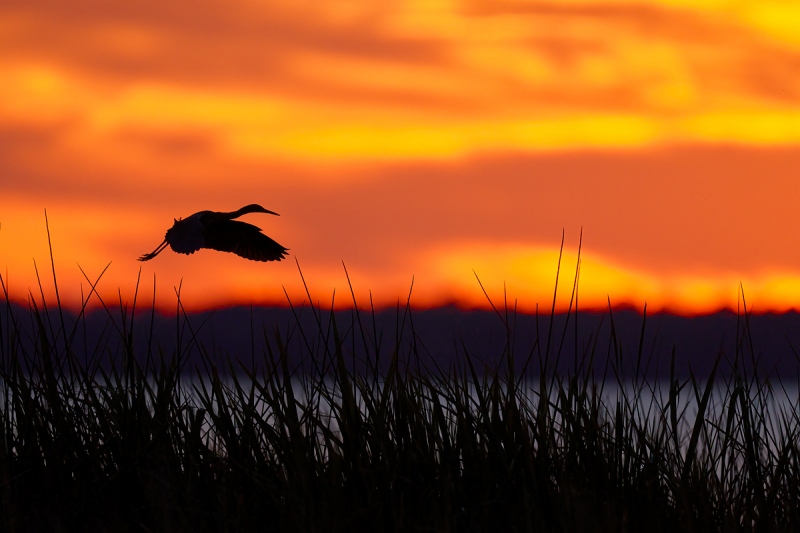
[253, 208]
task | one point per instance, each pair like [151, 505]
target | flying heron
[218, 231]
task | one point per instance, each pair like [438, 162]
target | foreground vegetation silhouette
[94, 439]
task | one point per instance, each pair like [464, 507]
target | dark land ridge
[444, 336]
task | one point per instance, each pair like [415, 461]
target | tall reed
[100, 438]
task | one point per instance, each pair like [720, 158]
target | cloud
[242, 45]
[669, 210]
[169, 142]
[393, 81]
[651, 56]
[385, 132]
[484, 57]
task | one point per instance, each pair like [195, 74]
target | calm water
[775, 408]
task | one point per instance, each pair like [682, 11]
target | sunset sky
[427, 139]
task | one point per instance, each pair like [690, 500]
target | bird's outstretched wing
[243, 239]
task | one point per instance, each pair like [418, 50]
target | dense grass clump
[99, 438]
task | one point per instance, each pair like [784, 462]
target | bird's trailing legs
[148, 257]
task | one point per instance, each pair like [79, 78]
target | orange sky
[407, 138]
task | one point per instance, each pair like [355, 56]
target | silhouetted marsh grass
[114, 442]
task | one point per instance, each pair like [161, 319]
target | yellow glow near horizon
[528, 277]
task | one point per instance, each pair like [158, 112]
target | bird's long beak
[158, 250]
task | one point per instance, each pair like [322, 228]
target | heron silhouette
[219, 231]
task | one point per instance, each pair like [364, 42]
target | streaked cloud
[410, 138]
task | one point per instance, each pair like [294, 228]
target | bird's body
[219, 231]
